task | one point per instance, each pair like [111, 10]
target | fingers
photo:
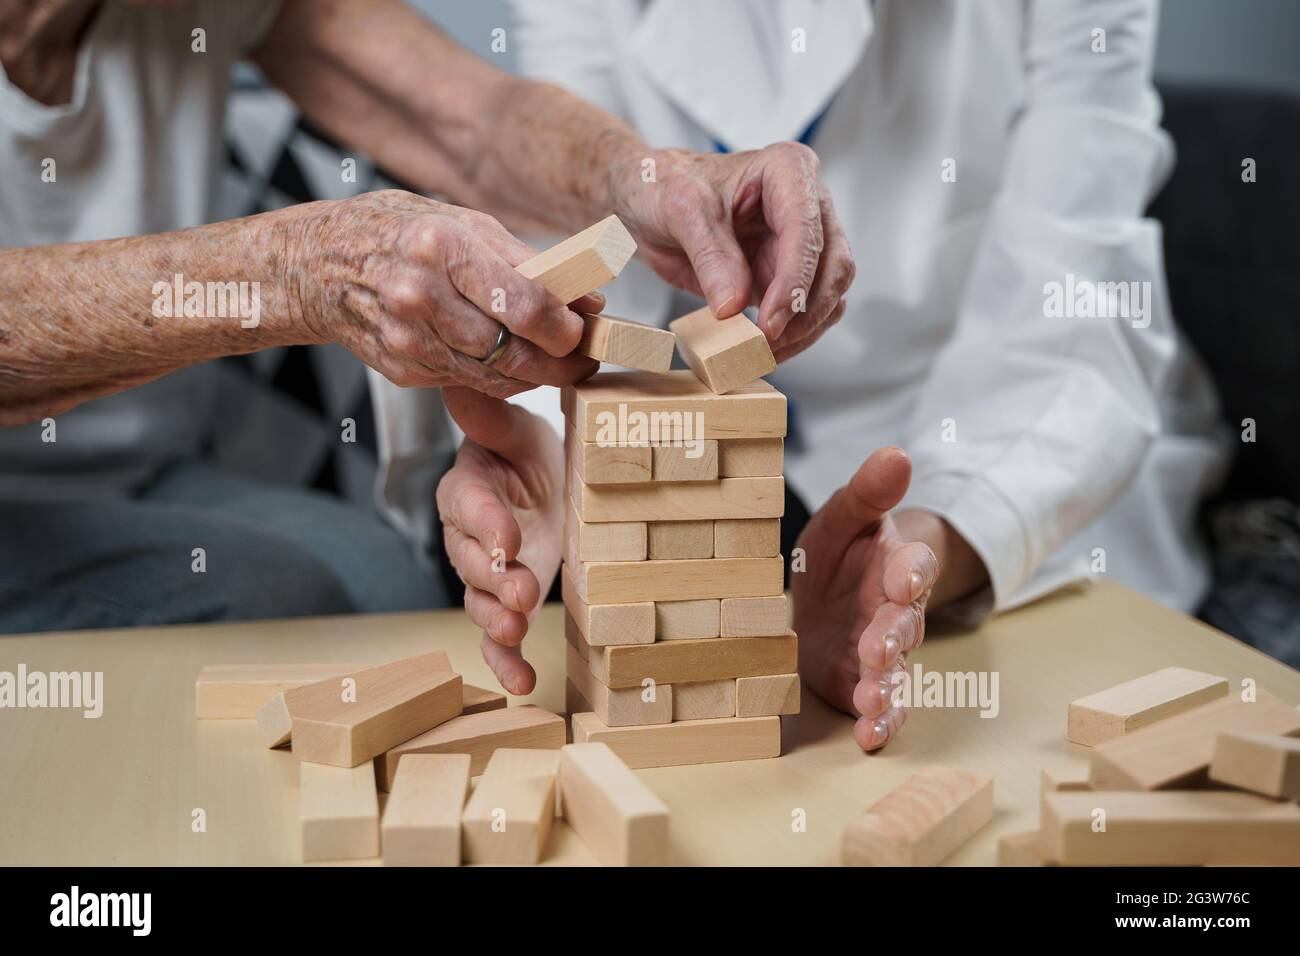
[510, 582]
[825, 301]
[514, 673]
[698, 221]
[872, 733]
[878, 485]
[471, 506]
[793, 210]
[911, 573]
[893, 631]
[791, 345]
[512, 432]
[506, 627]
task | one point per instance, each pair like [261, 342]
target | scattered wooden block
[696, 462]
[1260, 762]
[747, 537]
[509, 815]
[475, 700]
[684, 662]
[582, 263]
[681, 501]
[619, 818]
[238, 691]
[751, 458]
[1022, 849]
[630, 344]
[1134, 704]
[767, 696]
[705, 700]
[1176, 752]
[478, 735]
[339, 810]
[684, 742]
[687, 620]
[621, 582]
[421, 824]
[724, 353]
[622, 707]
[604, 541]
[607, 464]
[1169, 828]
[754, 616]
[679, 540]
[604, 624]
[1064, 779]
[920, 822]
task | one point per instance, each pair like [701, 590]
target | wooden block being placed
[582, 263]
[684, 742]
[626, 407]
[751, 458]
[682, 501]
[1022, 849]
[620, 582]
[696, 462]
[239, 691]
[623, 707]
[339, 810]
[421, 825]
[1134, 704]
[619, 818]
[1260, 762]
[604, 541]
[1176, 752]
[607, 464]
[630, 344]
[747, 537]
[1169, 828]
[475, 700]
[679, 540]
[705, 700]
[920, 822]
[509, 815]
[724, 353]
[478, 735]
[687, 620]
[767, 696]
[603, 624]
[682, 662]
[754, 616]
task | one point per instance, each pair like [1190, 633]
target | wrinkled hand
[418, 291]
[502, 509]
[860, 605]
[756, 227]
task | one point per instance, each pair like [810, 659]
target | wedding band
[503, 340]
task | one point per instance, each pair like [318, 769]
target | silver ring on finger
[503, 340]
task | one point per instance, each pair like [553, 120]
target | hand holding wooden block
[582, 263]
[724, 353]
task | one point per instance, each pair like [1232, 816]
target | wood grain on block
[724, 353]
[1176, 751]
[621, 582]
[629, 344]
[679, 540]
[751, 458]
[680, 662]
[582, 263]
[1134, 704]
[619, 818]
[687, 620]
[696, 462]
[1264, 763]
[609, 407]
[921, 821]
[478, 735]
[705, 700]
[622, 707]
[603, 541]
[605, 624]
[684, 742]
[238, 691]
[682, 501]
[475, 700]
[769, 696]
[339, 812]
[747, 537]
[754, 616]
[607, 464]
[1022, 849]
[1169, 828]
[421, 823]
[509, 815]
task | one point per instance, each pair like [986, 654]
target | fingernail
[892, 645]
[917, 583]
[510, 594]
[880, 730]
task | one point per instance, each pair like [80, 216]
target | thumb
[716, 258]
[491, 422]
[877, 486]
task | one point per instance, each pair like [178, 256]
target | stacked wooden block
[680, 650]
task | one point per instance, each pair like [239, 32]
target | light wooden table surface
[121, 789]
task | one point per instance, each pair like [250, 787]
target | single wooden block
[509, 815]
[607, 464]
[478, 735]
[606, 624]
[755, 616]
[614, 408]
[622, 582]
[623, 707]
[1022, 849]
[1176, 752]
[697, 462]
[683, 662]
[1169, 828]
[629, 344]
[751, 458]
[679, 540]
[1064, 779]
[475, 700]
[1127, 707]
[1260, 762]
[239, 691]
[582, 263]
[767, 696]
[277, 725]
[706, 700]
[681, 501]
[687, 620]
[747, 537]
[724, 353]
[339, 810]
[920, 822]
[421, 824]
[603, 541]
[619, 818]
[684, 742]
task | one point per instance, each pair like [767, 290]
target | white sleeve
[568, 43]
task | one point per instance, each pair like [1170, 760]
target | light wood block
[1260, 762]
[921, 821]
[726, 353]
[339, 811]
[475, 700]
[767, 696]
[687, 620]
[754, 616]
[621, 707]
[699, 462]
[603, 541]
[607, 464]
[605, 624]
[238, 691]
[582, 263]
[1022, 849]
[683, 662]
[629, 344]
[747, 537]
[1064, 779]
[1134, 704]
[611, 408]
[679, 540]
[620, 819]
[1176, 752]
[277, 725]
[478, 735]
[1169, 828]
[751, 458]
[684, 742]
[682, 501]
[705, 700]
[574, 702]
[421, 824]
[509, 815]
[622, 582]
